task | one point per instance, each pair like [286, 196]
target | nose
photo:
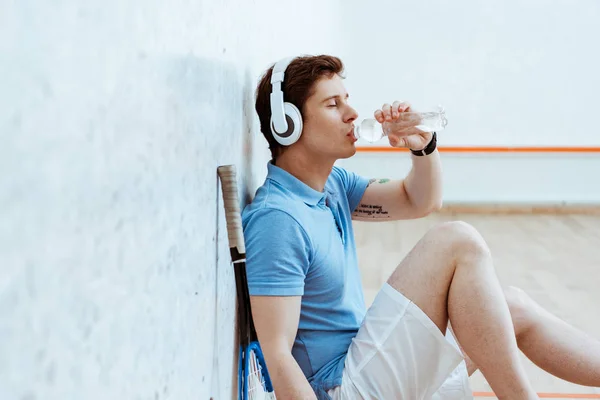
[351, 114]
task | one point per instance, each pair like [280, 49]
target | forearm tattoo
[371, 211]
[373, 180]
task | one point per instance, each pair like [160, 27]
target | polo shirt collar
[300, 189]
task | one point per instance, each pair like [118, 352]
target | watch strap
[430, 148]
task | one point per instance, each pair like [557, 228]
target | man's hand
[401, 127]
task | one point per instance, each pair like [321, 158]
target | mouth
[350, 134]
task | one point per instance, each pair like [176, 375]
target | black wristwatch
[430, 148]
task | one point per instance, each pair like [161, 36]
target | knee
[522, 309]
[461, 239]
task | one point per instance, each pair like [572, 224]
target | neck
[312, 172]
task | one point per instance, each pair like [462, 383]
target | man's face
[328, 121]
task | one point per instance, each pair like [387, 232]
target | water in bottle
[371, 130]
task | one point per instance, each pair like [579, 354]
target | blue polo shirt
[300, 242]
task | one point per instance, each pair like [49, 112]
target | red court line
[487, 149]
[547, 395]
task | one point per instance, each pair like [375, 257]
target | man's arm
[420, 193]
[416, 196]
[276, 320]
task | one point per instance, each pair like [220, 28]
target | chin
[349, 153]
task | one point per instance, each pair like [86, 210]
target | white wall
[509, 73]
[476, 179]
[114, 279]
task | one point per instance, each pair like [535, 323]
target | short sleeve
[277, 254]
[354, 185]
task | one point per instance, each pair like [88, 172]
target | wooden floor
[554, 258]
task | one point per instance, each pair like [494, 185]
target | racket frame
[248, 339]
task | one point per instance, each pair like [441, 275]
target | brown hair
[300, 78]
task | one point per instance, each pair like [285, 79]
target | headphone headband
[277, 111]
[279, 69]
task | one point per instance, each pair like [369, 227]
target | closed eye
[334, 100]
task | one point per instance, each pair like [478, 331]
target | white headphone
[286, 120]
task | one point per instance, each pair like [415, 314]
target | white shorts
[399, 353]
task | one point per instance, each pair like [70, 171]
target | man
[318, 339]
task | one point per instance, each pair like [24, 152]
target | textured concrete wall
[115, 279]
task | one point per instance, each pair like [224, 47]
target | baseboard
[523, 209]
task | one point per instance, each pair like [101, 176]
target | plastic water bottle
[372, 131]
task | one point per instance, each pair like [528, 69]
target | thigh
[425, 274]
[398, 353]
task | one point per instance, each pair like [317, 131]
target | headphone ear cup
[294, 123]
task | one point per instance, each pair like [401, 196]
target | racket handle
[227, 174]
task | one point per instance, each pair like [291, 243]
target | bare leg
[551, 343]
[471, 366]
[449, 275]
